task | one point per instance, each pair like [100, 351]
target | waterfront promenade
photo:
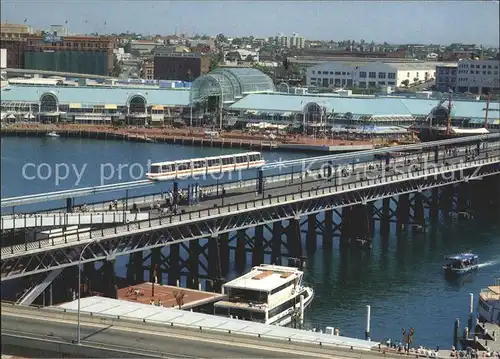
[197, 137]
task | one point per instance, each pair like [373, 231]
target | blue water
[400, 278]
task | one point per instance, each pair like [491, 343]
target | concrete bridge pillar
[258, 246]
[240, 255]
[328, 229]
[174, 270]
[403, 211]
[276, 243]
[311, 237]
[193, 264]
[385, 220]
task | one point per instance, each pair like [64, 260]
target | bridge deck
[246, 202]
[169, 316]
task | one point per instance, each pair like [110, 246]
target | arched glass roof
[232, 83]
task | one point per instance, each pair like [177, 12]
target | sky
[410, 21]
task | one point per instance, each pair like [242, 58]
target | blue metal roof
[363, 106]
[95, 95]
[462, 257]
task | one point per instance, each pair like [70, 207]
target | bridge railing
[241, 207]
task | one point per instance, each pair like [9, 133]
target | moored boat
[489, 304]
[268, 294]
[53, 134]
[460, 264]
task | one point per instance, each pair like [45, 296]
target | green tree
[405, 83]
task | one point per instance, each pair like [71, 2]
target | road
[174, 343]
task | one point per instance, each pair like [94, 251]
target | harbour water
[401, 278]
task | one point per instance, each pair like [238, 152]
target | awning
[75, 105]
[110, 107]
[158, 107]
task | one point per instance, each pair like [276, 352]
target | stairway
[29, 297]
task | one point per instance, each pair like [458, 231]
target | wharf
[191, 298]
[191, 138]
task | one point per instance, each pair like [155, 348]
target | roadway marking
[183, 337]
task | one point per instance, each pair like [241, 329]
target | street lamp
[78, 336]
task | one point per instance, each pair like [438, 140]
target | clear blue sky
[438, 22]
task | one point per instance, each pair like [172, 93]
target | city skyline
[430, 22]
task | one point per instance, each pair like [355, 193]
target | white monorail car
[162, 171]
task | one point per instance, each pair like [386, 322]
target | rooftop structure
[265, 278]
[89, 95]
[231, 83]
[357, 107]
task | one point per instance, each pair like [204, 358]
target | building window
[407, 74]
[390, 83]
[331, 72]
[381, 82]
[391, 75]
[313, 72]
[381, 75]
[362, 74]
[337, 72]
[372, 75]
[343, 73]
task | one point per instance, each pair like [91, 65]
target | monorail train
[162, 171]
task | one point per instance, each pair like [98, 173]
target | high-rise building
[78, 54]
[13, 38]
[294, 41]
[478, 76]
[180, 66]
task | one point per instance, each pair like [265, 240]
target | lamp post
[78, 336]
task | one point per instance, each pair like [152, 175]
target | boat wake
[488, 264]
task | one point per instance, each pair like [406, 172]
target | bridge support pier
[403, 212]
[224, 253]
[311, 236]
[156, 266]
[293, 238]
[213, 265]
[446, 202]
[193, 263]
[328, 229]
[463, 197]
[109, 278]
[276, 243]
[69, 205]
[385, 220]
[434, 206]
[135, 268]
[345, 227]
[418, 213]
[258, 246]
[174, 270]
[240, 257]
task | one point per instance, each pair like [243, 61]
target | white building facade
[368, 74]
[478, 76]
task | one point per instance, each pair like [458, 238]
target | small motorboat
[460, 264]
[53, 134]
